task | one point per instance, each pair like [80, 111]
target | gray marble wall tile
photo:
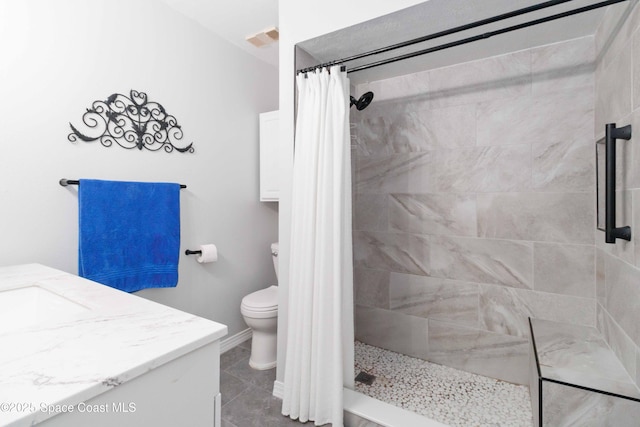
[416, 152]
[506, 310]
[626, 169]
[391, 107]
[409, 85]
[396, 173]
[498, 77]
[451, 127]
[566, 166]
[372, 136]
[394, 133]
[399, 252]
[564, 269]
[563, 66]
[624, 216]
[536, 120]
[632, 155]
[483, 169]
[414, 131]
[622, 249]
[600, 278]
[549, 217]
[565, 406]
[371, 287]
[622, 300]
[392, 330]
[614, 90]
[617, 339]
[443, 214]
[435, 298]
[384, 173]
[615, 30]
[635, 226]
[371, 212]
[637, 377]
[607, 30]
[495, 355]
[636, 69]
[482, 260]
[420, 174]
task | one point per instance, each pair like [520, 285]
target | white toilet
[260, 312]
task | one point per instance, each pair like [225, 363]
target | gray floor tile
[231, 386]
[247, 398]
[262, 379]
[246, 344]
[233, 356]
[256, 407]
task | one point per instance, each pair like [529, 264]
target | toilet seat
[261, 304]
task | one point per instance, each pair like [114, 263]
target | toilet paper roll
[209, 254]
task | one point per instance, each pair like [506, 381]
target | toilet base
[261, 366]
[263, 350]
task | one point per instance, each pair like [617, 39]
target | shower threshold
[444, 394]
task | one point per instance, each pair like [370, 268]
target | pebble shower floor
[447, 395]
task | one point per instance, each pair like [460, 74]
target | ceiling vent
[264, 38]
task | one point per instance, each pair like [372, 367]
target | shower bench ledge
[574, 373]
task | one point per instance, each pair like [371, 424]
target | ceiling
[233, 20]
[437, 15]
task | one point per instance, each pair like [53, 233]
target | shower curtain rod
[459, 29]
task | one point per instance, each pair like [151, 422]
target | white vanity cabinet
[182, 392]
[76, 353]
[269, 157]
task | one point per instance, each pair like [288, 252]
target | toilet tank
[274, 256]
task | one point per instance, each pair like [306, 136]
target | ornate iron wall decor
[131, 122]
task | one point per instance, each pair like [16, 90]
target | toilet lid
[262, 300]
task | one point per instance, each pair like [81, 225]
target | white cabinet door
[182, 392]
[269, 157]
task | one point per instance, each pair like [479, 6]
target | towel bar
[65, 182]
[612, 133]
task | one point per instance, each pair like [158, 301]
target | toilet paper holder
[205, 253]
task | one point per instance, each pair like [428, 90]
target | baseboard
[235, 340]
[278, 389]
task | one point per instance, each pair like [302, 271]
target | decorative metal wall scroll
[131, 122]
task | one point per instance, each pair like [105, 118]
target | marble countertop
[579, 355]
[103, 338]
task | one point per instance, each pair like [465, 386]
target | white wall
[56, 59]
[300, 21]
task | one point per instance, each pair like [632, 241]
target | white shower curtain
[320, 327]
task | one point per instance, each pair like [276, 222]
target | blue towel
[129, 233]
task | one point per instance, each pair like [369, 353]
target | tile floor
[247, 394]
[448, 395]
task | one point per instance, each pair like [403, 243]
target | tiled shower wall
[474, 207]
[618, 266]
